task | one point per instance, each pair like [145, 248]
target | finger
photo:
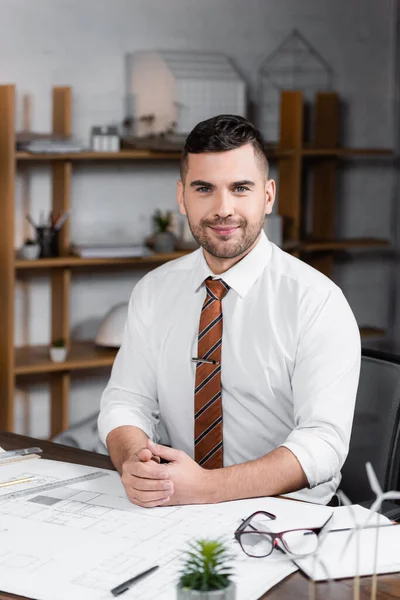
[144, 455]
[151, 485]
[150, 504]
[146, 470]
[170, 454]
[146, 498]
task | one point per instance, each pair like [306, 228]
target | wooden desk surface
[294, 587]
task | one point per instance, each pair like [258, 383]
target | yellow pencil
[15, 481]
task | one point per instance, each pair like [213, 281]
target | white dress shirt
[289, 369]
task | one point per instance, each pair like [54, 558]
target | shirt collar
[243, 274]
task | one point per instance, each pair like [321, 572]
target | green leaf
[207, 566]
[162, 220]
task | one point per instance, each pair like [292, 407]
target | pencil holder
[47, 239]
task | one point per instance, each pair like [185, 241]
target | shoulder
[307, 294]
[173, 272]
[295, 273]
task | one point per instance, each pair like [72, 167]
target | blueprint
[81, 540]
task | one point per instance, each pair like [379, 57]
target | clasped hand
[149, 483]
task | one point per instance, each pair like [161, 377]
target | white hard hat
[112, 327]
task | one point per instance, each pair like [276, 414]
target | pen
[362, 528]
[205, 360]
[21, 452]
[60, 221]
[15, 481]
[122, 587]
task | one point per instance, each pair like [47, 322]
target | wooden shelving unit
[292, 156]
[322, 157]
[34, 360]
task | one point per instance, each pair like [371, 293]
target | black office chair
[376, 431]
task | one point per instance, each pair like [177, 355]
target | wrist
[211, 486]
[123, 443]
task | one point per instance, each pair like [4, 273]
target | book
[110, 250]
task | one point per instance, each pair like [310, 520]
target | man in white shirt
[239, 367]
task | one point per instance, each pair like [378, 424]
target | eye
[203, 190]
[241, 189]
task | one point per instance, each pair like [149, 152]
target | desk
[295, 587]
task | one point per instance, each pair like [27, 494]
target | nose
[223, 204]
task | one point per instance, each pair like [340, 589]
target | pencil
[15, 481]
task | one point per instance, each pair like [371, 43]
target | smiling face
[226, 196]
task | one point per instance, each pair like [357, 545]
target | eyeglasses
[257, 541]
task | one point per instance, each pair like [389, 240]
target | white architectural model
[171, 91]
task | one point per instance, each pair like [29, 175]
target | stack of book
[110, 250]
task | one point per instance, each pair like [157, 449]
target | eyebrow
[201, 183]
[243, 182]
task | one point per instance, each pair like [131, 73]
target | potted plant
[30, 249]
[58, 350]
[164, 239]
[207, 573]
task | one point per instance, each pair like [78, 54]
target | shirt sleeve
[324, 385]
[130, 397]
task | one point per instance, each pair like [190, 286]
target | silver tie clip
[205, 360]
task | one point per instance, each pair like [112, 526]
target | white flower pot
[228, 593]
[58, 354]
[29, 251]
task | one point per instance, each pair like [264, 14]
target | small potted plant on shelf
[58, 350]
[164, 239]
[207, 573]
[30, 250]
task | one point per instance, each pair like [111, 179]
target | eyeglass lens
[254, 543]
[258, 544]
[300, 543]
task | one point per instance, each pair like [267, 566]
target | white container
[58, 354]
[29, 251]
[228, 593]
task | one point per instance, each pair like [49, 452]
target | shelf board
[31, 360]
[94, 156]
[158, 259]
[123, 155]
[34, 360]
[343, 152]
[76, 261]
[371, 331]
[321, 245]
[142, 154]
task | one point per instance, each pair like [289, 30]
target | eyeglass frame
[274, 535]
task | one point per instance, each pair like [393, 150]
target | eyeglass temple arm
[245, 522]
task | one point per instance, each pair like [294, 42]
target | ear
[179, 197]
[270, 192]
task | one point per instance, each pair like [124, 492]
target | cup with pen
[47, 234]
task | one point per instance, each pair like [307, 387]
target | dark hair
[221, 133]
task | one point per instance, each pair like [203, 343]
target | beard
[229, 246]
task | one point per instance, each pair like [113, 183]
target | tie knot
[216, 288]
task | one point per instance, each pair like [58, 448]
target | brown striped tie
[208, 450]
